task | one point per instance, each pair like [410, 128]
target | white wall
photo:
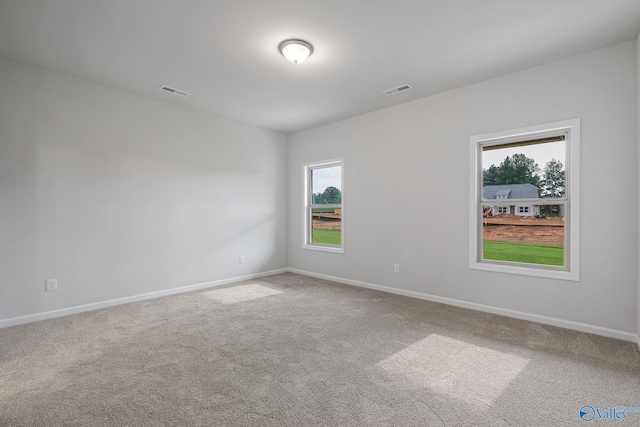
[403, 164]
[117, 195]
[638, 132]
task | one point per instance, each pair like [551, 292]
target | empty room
[319, 213]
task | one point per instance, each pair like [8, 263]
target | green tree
[490, 175]
[553, 180]
[516, 169]
[331, 195]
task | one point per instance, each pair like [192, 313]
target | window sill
[520, 269]
[324, 249]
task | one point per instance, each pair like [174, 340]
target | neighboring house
[513, 191]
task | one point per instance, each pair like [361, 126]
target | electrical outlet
[51, 285]
[242, 259]
[396, 268]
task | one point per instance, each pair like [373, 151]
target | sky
[327, 177]
[541, 153]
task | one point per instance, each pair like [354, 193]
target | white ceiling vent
[395, 90]
[175, 91]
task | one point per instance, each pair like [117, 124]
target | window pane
[530, 165]
[326, 185]
[526, 231]
[530, 239]
[327, 226]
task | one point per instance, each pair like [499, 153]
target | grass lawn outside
[526, 253]
[326, 237]
[324, 210]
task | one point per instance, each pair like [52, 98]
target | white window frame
[503, 209]
[571, 130]
[308, 206]
[523, 209]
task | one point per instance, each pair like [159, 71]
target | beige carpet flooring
[289, 350]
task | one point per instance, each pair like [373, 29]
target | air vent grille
[174, 91]
[395, 90]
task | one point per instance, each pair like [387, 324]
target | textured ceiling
[225, 52]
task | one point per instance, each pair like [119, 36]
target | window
[534, 173]
[323, 206]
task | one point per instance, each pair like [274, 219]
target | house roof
[512, 191]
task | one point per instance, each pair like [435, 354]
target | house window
[323, 206]
[535, 169]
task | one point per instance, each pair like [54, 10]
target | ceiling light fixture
[295, 50]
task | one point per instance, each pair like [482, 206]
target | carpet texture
[290, 350]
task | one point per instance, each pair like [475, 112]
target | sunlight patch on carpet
[464, 371]
[240, 293]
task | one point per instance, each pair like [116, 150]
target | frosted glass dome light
[295, 50]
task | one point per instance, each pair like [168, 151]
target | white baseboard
[4, 323]
[567, 324]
